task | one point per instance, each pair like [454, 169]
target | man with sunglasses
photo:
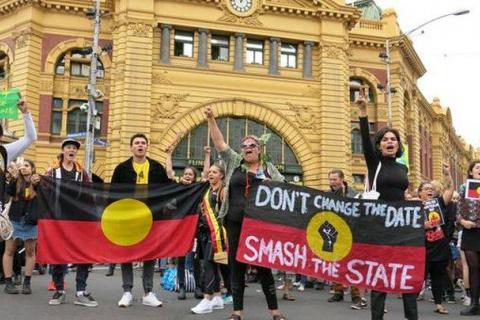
[139, 169]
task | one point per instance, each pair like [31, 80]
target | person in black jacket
[139, 169]
[392, 181]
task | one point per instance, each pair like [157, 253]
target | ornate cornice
[72, 6]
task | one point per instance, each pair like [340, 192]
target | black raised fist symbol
[329, 235]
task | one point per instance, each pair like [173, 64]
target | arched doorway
[190, 149]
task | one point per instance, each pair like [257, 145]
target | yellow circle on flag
[126, 222]
[329, 236]
[478, 190]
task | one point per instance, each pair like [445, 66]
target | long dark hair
[379, 136]
[21, 184]
[194, 170]
[470, 168]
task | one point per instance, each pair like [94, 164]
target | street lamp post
[386, 57]
[93, 94]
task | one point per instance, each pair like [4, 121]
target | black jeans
[438, 274]
[210, 275]
[238, 270]
[58, 276]
[378, 305]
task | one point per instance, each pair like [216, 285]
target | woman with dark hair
[391, 182]
[242, 171]
[22, 214]
[190, 175]
[437, 237]
[469, 218]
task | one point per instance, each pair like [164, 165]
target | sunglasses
[251, 145]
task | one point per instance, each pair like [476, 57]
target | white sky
[450, 51]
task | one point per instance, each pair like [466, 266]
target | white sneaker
[296, 284]
[467, 301]
[205, 306]
[301, 288]
[151, 300]
[126, 300]
[217, 303]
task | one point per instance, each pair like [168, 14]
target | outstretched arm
[16, 148]
[206, 163]
[215, 133]
[448, 181]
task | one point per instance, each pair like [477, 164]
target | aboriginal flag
[373, 244]
[473, 191]
[99, 223]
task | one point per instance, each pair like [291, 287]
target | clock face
[241, 5]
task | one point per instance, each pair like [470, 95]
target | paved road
[310, 305]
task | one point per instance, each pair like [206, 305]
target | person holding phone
[391, 182]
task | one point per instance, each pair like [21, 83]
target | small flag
[473, 189]
[8, 104]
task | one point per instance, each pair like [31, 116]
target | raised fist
[329, 235]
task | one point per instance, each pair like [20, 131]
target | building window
[190, 149]
[220, 46]
[288, 58]
[3, 65]
[80, 60]
[183, 44]
[254, 52]
[358, 178]
[57, 106]
[355, 84]
[356, 142]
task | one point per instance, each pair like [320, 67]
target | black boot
[10, 287]
[473, 310]
[181, 293]
[111, 270]
[198, 293]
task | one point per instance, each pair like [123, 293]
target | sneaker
[205, 306]
[301, 288]
[86, 300]
[472, 310]
[151, 300]
[217, 303]
[359, 304]
[467, 301]
[10, 288]
[337, 297]
[296, 284]
[227, 299]
[57, 298]
[126, 300]
[281, 287]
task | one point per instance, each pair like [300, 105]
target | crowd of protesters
[452, 248]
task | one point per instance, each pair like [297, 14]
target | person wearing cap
[68, 168]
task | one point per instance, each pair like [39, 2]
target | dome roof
[370, 10]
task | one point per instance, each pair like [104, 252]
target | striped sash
[217, 231]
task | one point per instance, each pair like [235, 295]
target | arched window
[190, 149]
[356, 142]
[355, 84]
[4, 66]
[69, 113]
[79, 63]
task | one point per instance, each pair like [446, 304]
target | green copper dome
[370, 10]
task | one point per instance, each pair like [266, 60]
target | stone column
[307, 59]
[165, 45]
[273, 66]
[203, 48]
[238, 64]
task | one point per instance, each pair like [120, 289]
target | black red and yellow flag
[473, 189]
[372, 244]
[98, 223]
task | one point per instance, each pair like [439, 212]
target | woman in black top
[24, 225]
[469, 218]
[392, 182]
[437, 241]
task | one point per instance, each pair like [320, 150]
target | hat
[71, 141]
